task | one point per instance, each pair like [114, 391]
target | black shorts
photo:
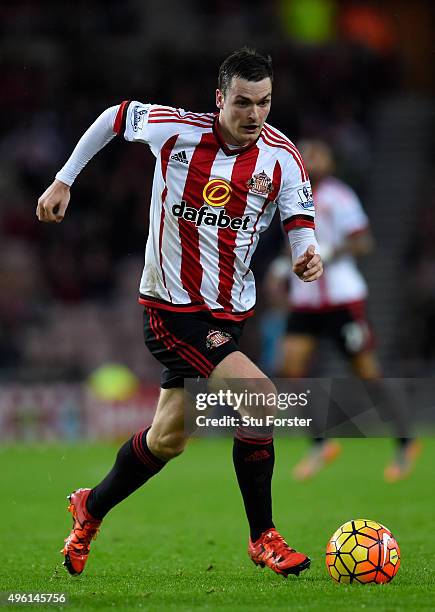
[347, 326]
[188, 344]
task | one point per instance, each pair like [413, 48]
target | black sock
[402, 443]
[253, 462]
[134, 465]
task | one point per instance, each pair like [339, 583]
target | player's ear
[219, 98]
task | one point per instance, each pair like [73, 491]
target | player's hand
[53, 203]
[309, 267]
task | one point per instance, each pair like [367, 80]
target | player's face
[243, 109]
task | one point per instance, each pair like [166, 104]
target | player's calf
[166, 445]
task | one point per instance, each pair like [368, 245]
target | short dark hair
[246, 64]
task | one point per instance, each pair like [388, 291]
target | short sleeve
[350, 217]
[295, 199]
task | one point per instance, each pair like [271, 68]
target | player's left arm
[308, 266]
[296, 207]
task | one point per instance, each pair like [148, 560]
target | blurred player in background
[335, 306]
[219, 178]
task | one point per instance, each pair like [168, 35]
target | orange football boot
[85, 529]
[404, 462]
[318, 457]
[272, 550]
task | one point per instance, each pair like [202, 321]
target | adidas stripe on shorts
[188, 345]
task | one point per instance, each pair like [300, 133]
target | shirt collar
[223, 145]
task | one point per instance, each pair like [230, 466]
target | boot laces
[277, 546]
[81, 537]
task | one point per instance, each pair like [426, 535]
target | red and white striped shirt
[209, 205]
[339, 215]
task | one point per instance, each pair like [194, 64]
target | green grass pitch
[180, 542]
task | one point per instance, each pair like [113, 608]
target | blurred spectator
[417, 339]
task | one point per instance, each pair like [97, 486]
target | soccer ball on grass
[362, 551]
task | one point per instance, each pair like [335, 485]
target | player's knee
[261, 397]
[366, 366]
[167, 446]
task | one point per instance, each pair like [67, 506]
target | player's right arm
[54, 201]
[130, 120]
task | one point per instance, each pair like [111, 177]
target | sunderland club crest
[216, 337]
[260, 184]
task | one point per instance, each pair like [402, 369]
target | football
[362, 551]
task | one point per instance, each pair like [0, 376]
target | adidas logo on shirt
[181, 157]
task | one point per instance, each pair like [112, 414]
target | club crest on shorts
[216, 337]
[260, 184]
